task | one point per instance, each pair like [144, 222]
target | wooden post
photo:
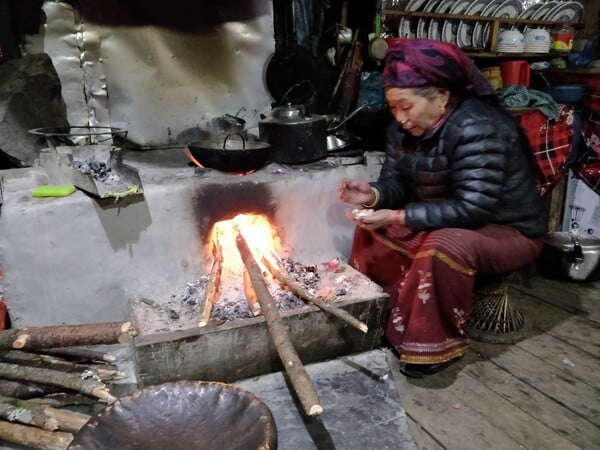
[212, 287]
[281, 275]
[32, 338]
[303, 385]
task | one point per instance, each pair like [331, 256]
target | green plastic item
[53, 191]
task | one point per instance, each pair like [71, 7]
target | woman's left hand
[379, 218]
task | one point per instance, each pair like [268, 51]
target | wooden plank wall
[592, 17]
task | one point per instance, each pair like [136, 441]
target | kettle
[295, 135]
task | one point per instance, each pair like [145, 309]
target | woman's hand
[355, 192]
[377, 219]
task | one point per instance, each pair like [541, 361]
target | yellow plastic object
[53, 190]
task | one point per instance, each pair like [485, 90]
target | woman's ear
[444, 97]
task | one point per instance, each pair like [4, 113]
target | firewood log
[52, 362]
[34, 437]
[25, 390]
[303, 385]
[41, 416]
[80, 354]
[75, 382]
[31, 338]
[281, 275]
[250, 294]
[212, 288]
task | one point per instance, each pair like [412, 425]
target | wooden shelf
[475, 55]
[573, 70]
[495, 23]
[401, 13]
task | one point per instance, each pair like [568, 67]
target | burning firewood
[281, 275]
[212, 288]
[251, 296]
[303, 385]
[31, 338]
[76, 382]
[34, 437]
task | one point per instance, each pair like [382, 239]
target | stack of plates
[536, 47]
[510, 47]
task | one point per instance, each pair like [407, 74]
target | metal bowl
[566, 257]
[187, 415]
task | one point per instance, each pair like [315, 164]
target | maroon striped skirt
[430, 276]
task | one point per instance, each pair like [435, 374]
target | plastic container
[562, 36]
[569, 94]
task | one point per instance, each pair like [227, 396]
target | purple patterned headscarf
[424, 62]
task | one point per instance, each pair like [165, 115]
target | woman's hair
[429, 92]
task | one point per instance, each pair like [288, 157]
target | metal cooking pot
[229, 155]
[295, 136]
[568, 256]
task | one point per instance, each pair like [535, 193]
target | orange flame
[258, 232]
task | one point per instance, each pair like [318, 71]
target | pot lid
[291, 114]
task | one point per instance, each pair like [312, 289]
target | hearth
[212, 328]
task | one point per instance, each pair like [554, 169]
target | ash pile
[330, 281]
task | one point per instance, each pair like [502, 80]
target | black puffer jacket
[470, 171]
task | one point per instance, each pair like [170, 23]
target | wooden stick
[52, 362]
[283, 277]
[303, 385]
[41, 416]
[32, 338]
[214, 283]
[24, 390]
[81, 354]
[251, 296]
[57, 378]
[34, 437]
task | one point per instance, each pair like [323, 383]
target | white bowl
[510, 37]
[537, 35]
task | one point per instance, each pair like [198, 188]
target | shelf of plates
[495, 24]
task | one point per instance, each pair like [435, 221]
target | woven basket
[494, 318]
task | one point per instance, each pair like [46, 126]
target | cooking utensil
[291, 63]
[187, 415]
[96, 164]
[567, 255]
[229, 155]
[295, 136]
[99, 170]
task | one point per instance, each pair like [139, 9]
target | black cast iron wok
[229, 155]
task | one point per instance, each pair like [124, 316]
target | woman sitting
[455, 198]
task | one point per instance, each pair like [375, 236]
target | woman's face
[415, 113]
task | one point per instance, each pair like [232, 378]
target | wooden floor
[541, 393]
